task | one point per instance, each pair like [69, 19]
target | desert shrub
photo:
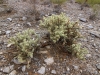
[25, 44]
[59, 2]
[95, 4]
[63, 31]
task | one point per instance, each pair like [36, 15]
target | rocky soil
[48, 60]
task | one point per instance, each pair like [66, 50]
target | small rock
[18, 25]
[1, 53]
[98, 66]
[88, 55]
[48, 47]
[8, 32]
[75, 67]
[11, 67]
[53, 72]
[68, 69]
[10, 19]
[83, 19]
[6, 69]
[90, 27]
[41, 70]
[95, 33]
[16, 61]
[24, 68]
[49, 60]
[24, 18]
[29, 24]
[0, 32]
[80, 15]
[13, 72]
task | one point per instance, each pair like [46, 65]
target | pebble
[0, 32]
[29, 24]
[53, 72]
[13, 72]
[10, 19]
[68, 69]
[8, 32]
[18, 25]
[98, 66]
[83, 19]
[24, 68]
[49, 61]
[41, 70]
[75, 67]
[1, 53]
[48, 47]
[90, 27]
[95, 33]
[6, 69]
[24, 18]
[88, 55]
[11, 67]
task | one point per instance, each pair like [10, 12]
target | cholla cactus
[60, 26]
[24, 44]
[62, 30]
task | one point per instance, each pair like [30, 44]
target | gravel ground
[50, 60]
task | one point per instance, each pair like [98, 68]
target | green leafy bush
[25, 43]
[63, 31]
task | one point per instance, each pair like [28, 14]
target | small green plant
[25, 44]
[63, 31]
